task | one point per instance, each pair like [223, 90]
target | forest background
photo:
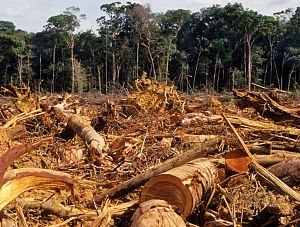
[217, 48]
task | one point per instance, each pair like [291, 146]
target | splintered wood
[152, 158]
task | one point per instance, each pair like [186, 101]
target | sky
[32, 15]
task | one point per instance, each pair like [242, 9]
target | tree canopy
[217, 48]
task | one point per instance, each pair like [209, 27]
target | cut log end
[156, 213]
[183, 186]
[171, 189]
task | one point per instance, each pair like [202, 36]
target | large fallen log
[156, 213]
[183, 186]
[94, 141]
[207, 147]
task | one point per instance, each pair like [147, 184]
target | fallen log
[207, 147]
[156, 213]
[183, 187]
[244, 122]
[87, 133]
[264, 160]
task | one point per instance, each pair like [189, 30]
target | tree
[65, 24]
[170, 23]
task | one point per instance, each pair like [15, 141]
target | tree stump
[156, 213]
[183, 186]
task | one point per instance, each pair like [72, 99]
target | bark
[288, 171]
[129, 185]
[183, 187]
[156, 213]
[9, 156]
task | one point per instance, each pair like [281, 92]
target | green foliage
[212, 47]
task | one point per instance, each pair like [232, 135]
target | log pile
[152, 158]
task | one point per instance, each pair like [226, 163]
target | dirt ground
[140, 135]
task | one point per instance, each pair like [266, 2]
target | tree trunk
[271, 62]
[113, 53]
[196, 68]
[137, 59]
[40, 73]
[71, 45]
[53, 67]
[249, 61]
[210, 146]
[215, 70]
[99, 78]
[290, 76]
[106, 66]
[20, 69]
[183, 187]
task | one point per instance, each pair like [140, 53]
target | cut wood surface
[87, 133]
[156, 213]
[207, 147]
[183, 187]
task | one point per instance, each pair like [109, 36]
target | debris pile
[152, 157]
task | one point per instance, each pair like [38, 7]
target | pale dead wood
[23, 116]
[261, 170]
[201, 151]
[87, 133]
